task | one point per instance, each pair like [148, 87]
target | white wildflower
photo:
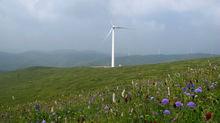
[65, 120]
[132, 110]
[122, 114]
[113, 98]
[111, 110]
[123, 93]
[151, 98]
[168, 89]
[52, 110]
[155, 83]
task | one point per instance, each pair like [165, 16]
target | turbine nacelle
[118, 27]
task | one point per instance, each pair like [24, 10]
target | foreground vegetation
[185, 91]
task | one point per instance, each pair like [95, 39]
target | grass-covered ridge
[85, 94]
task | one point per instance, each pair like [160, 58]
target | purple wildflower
[198, 90]
[184, 89]
[178, 104]
[191, 104]
[190, 86]
[188, 94]
[165, 101]
[44, 121]
[166, 112]
[193, 95]
[193, 86]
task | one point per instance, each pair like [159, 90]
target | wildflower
[52, 110]
[190, 86]
[186, 93]
[113, 98]
[91, 100]
[168, 91]
[44, 121]
[166, 112]
[106, 108]
[198, 90]
[165, 101]
[208, 116]
[213, 85]
[123, 93]
[155, 84]
[122, 114]
[141, 116]
[37, 107]
[192, 95]
[128, 97]
[151, 98]
[65, 120]
[191, 104]
[178, 104]
[131, 110]
[184, 89]
[102, 99]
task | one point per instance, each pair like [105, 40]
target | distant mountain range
[71, 58]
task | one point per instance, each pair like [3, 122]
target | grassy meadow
[181, 92]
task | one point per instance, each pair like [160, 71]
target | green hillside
[70, 92]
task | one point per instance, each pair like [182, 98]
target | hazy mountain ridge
[71, 58]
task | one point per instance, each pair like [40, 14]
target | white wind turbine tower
[112, 31]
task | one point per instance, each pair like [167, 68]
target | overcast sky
[171, 26]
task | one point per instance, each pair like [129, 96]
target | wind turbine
[112, 31]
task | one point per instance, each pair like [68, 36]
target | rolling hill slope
[87, 94]
[45, 82]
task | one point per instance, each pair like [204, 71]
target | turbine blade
[109, 33]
